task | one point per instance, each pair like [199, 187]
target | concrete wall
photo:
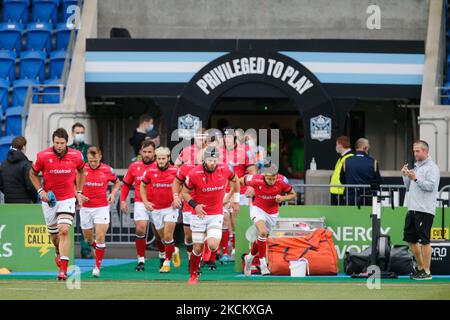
[263, 19]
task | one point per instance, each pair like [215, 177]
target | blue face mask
[150, 127]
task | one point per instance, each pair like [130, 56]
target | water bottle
[313, 165]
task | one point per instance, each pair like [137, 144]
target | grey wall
[263, 19]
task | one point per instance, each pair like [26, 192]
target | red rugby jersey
[59, 173]
[160, 182]
[96, 185]
[133, 177]
[209, 187]
[265, 194]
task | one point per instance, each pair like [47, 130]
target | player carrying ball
[208, 182]
[269, 189]
[163, 208]
[95, 208]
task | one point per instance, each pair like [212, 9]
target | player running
[163, 207]
[61, 167]
[191, 153]
[207, 182]
[95, 208]
[240, 158]
[264, 211]
[142, 216]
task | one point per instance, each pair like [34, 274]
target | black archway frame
[313, 102]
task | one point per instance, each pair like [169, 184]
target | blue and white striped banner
[180, 67]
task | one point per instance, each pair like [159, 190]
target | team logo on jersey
[50, 160]
[320, 128]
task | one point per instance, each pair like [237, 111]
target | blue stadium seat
[65, 4]
[11, 36]
[20, 89]
[45, 10]
[8, 65]
[446, 92]
[56, 62]
[32, 65]
[5, 144]
[52, 91]
[4, 92]
[39, 36]
[16, 10]
[13, 121]
[62, 35]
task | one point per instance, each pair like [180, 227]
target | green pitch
[122, 282]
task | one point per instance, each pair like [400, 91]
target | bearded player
[133, 177]
[61, 166]
[163, 208]
[207, 182]
[269, 189]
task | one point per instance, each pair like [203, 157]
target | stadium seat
[56, 62]
[62, 35]
[11, 36]
[446, 93]
[65, 4]
[38, 36]
[5, 144]
[16, 10]
[13, 121]
[20, 88]
[32, 65]
[8, 65]
[52, 91]
[45, 10]
[4, 92]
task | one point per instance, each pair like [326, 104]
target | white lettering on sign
[253, 65]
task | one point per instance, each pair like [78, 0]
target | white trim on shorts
[92, 216]
[187, 216]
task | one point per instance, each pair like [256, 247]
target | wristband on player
[80, 192]
[40, 190]
[192, 203]
[236, 197]
[176, 195]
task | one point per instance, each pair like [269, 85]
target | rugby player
[207, 182]
[269, 189]
[142, 216]
[163, 207]
[61, 167]
[95, 208]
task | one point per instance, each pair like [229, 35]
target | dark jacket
[360, 169]
[136, 141]
[14, 178]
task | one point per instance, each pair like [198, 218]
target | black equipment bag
[402, 261]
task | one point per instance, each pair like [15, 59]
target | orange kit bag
[317, 247]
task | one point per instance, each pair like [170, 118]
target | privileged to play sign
[269, 67]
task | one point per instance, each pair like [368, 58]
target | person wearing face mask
[146, 127]
[360, 169]
[78, 135]
[15, 182]
[344, 151]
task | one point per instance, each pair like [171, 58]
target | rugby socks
[141, 245]
[99, 253]
[169, 248]
[189, 247]
[94, 245]
[262, 247]
[224, 241]
[194, 262]
[206, 255]
[213, 256]
[254, 249]
[161, 247]
[64, 264]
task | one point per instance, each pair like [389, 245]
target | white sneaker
[233, 255]
[96, 272]
[248, 259]
[263, 266]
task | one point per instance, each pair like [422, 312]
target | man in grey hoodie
[422, 184]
